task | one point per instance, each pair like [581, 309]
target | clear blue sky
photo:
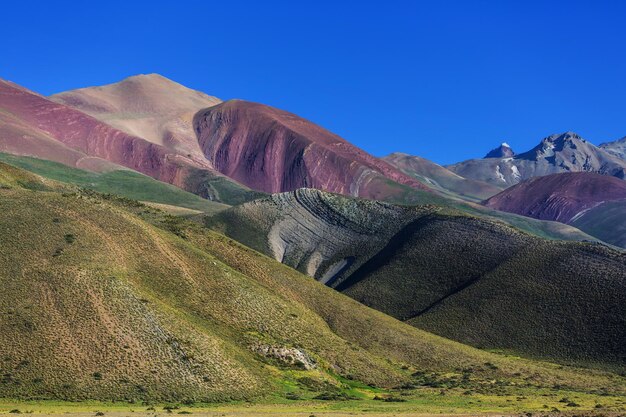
[447, 80]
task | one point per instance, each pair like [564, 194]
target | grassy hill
[125, 183]
[105, 298]
[464, 277]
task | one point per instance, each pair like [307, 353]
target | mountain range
[158, 244]
[566, 152]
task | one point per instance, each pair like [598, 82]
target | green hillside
[471, 279]
[108, 299]
[125, 183]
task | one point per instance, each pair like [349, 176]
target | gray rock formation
[616, 148]
[502, 151]
[566, 152]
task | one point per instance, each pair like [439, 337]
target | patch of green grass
[124, 183]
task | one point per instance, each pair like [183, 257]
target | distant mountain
[473, 280]
[567, 198]
[272, 150]
[617, 148]
[565, 152]
[441, 179]
[502, 151]
[37, 126]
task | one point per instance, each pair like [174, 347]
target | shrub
[293, 396]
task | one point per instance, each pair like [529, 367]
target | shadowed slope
[406, 261]
[272, 150]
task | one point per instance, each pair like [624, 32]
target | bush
[390, 399]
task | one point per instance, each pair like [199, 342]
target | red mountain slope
[150, 106]
[43, 128]
[558, 197]
[274, 151]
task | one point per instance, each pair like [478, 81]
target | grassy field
[366, 401]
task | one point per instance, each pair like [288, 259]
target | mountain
[559, 197]
[474, 280]
[150, 106]
[441, 179]
[565, 152]
[616, 148]
[42, 128]
[502, 151]
[106, 299]
[606, 221]
[566, 198]
[272, 150]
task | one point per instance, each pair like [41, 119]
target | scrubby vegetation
[470, 279]
[130, 311]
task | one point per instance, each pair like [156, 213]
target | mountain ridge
[68, 128]
[565, 152]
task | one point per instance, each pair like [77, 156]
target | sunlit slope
[125, 183]
[108, 299]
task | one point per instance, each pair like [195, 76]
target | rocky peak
[502, 151]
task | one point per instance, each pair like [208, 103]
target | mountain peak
[502, 151]
[563, 137]
[151, 76]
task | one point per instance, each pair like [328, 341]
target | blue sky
[447, 80]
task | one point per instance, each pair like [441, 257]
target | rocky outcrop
[565, 152]
[274, 151]
[321, 234]
[289, 356]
